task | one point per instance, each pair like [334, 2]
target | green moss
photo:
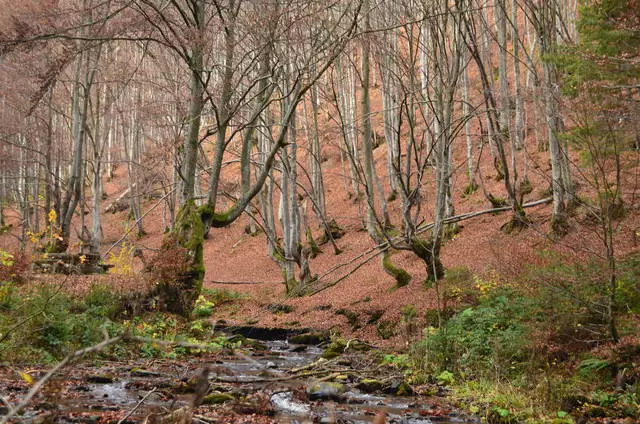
[401, 276]
[189, 232]
[313, 246]
[430, 255]
[335, 348]
[217, 398]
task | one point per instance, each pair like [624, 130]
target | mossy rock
[326, 391]
[217, 398]
[398, 387]
[335, 349]
[369, 385]
[139, 372]
[309, 339]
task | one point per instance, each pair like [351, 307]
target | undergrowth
[536, 350]
[41, 323]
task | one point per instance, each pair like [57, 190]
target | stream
[255, 383]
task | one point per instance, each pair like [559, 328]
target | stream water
[102, 389]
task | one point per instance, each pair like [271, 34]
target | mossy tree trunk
[178, 295]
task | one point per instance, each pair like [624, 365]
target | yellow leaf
[26, 377]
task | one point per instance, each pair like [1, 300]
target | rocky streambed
[272, 380]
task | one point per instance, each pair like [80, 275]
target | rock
[298, 349]
[369, 385]
[271, 365]
[138, 372]
[310, 339]
[326, 391]
[217, 398]
[398, 387]
[100, 379]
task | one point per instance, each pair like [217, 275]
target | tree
[599, 73]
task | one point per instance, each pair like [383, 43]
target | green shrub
[488, 338]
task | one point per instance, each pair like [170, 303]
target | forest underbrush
[538, 348]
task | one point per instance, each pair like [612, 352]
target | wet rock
[285, 402]
[398, 387]
[326, 391]
[271, 365]
[105, 408]
[217, 398]
[309, 339]
[100, 379]
[298, 349]
[369, 385]
[4, 410]
[138, 372]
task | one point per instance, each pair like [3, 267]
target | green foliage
[445, 378]
[605, 48]
[41, 323]
[203, 307]
[490, 337]
[400, 361]
[6, 258]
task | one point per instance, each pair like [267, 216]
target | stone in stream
[326, 391]
[398, 387]
[100, 379]
[369, 385]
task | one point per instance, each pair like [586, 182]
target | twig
[130, 413]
